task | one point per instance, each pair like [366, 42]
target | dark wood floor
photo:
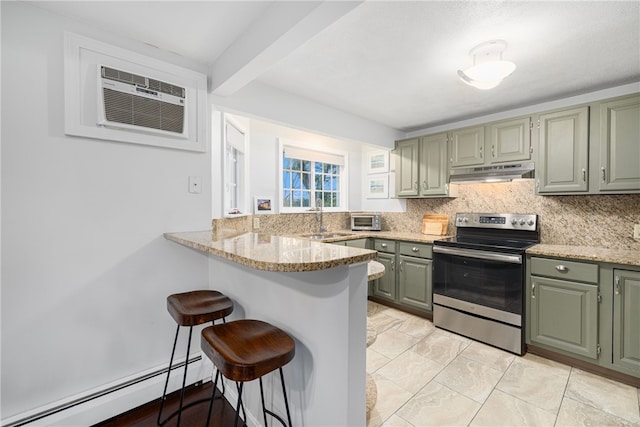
[195, 416]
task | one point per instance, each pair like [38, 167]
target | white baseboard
[109, 400]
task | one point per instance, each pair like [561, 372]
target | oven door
[485, 279]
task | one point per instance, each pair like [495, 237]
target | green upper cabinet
[421, 167]
[626, 320]
[406, 154]
[620, 145]
[467, 146]
[563, 138]
[590, 149]
[499, 142]
[510, 140]
[433, 165]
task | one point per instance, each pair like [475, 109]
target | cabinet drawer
[419, 250]
[563, 269]
[382, 245]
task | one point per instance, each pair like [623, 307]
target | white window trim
[344, 177]
[226, 118]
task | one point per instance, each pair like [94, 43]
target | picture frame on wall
[378, 186]
[262, 205]
[378, 161]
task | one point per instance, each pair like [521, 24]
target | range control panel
[527, 222]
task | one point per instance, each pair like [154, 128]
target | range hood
[492, 173]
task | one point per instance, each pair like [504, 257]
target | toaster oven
[366, 221]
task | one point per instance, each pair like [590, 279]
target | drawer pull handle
[561, 268]
[393, 266]
[414, 249]
[384, 245]
[533, 291]
[617, 285]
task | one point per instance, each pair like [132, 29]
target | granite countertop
[392, 235]
[375, 270]
[588, 253]
[273, 253]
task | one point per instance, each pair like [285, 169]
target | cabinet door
[407, 167]
[510, 140]
[626, 321]
[414, 282]
[620, 145]
[564, 315]
[433, 165]
[385, 286]
[563, 147]
[467, 147]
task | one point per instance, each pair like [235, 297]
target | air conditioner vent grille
[134, 110]
[126, 77]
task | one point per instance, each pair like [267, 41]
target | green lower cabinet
[413, 276]
[385, 286]
[407, 281]
[564, 315]
[358, 243]
[626, 320]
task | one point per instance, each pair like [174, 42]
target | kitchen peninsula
[317, 293]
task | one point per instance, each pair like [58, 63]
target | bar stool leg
[166, 383]
[213, 397]
[240, 385]
[184, 377]
[286, 401]
[265, 411]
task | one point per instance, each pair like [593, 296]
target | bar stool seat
[191, 309]
[245, 350]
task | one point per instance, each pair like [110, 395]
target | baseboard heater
[97, 394]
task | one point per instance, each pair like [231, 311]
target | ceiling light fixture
[489, 69]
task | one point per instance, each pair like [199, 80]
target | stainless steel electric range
[479, 276]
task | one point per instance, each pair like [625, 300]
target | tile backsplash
[602, 221]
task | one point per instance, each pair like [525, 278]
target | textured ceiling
[390, 62]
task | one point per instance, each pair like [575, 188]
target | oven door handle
[472, 253]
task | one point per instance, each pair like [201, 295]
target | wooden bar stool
[244, 350]
[191, 309]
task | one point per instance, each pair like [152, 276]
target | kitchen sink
[322, 236]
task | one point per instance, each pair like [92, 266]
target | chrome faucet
[321, 229]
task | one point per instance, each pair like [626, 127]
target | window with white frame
[234, 170]
[311, 179]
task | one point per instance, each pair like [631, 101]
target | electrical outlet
[636, 231]
[256, 223]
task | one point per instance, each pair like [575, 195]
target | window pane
[297, 199]
[286, 162]
[286, 179]
[296, 164]
[296, 180]
[286, 198]
[306, 180]
[318, 167]
[306, 199]
[306, 165]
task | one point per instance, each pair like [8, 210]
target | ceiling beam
[278, 32]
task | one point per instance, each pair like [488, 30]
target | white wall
[86, 271]
[260, 101]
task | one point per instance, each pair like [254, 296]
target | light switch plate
[195, 184]
[256, 223]
[636, 231]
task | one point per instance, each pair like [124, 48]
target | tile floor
[429, 377]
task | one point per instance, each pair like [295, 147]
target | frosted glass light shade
[489, 69]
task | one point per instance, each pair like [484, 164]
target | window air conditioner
[138, 103]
